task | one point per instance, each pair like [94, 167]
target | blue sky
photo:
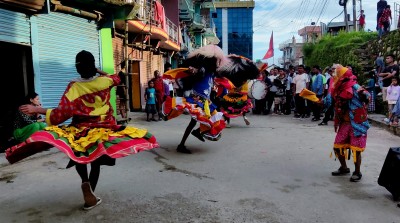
[286, 17]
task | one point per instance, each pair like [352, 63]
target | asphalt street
[275, 170]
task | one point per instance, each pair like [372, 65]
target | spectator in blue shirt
[317, 86]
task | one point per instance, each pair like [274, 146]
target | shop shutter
[60, 38]
[14, 27]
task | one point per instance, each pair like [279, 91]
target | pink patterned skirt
[345, 139]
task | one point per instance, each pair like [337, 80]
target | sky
[285, 17]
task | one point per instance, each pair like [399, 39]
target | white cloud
[286, 17]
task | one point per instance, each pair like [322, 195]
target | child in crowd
[150, 98]
[393, 93]
[394, 119]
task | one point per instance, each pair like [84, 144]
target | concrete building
[197, 26]
[292, 53]
[333, 28]
[234, 25]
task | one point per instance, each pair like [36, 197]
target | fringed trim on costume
[242, 99]
[346, 149]
[211, 122]
[231, 112]
[82, 138]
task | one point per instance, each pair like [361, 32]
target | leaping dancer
[196, 78]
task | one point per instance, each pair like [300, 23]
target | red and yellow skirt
[84, 145]
[211, 121]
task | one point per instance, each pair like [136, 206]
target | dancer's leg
[181, 147]
[188, 130]
[94, 175]
[82, 171]
[88, 196]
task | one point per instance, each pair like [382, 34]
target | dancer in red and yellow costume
[351, 120]
[93, 135]
[351, 124]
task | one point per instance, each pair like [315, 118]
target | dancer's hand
[28, 109]
[31, 110]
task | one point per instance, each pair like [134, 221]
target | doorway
[135, 91]
[17, 73]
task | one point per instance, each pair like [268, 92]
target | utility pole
[355, 28]
[346, 21]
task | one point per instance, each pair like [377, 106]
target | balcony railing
[199, 19]
[186, 5]
[288, 44]
[172, 30]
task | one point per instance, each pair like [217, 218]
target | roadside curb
[377, 120]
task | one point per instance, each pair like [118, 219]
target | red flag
[270, 52]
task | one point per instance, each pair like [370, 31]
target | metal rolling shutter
[14, 27]
[61, 37]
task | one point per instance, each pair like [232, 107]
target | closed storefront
[16, 65]
[60, 37]
[14, 27]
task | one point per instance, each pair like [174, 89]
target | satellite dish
[313, 23]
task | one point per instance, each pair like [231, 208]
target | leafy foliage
[337, 49]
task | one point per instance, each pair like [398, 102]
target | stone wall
[388, 44]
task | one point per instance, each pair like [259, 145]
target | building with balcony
[197, 26]
[310, 34]
[292, 53]
[234, 26]
[148, 36]
[333, 28]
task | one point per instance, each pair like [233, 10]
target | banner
[270, 52]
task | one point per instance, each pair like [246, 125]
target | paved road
[276, 170]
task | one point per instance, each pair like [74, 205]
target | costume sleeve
[115, 78]
[63, 112]
[363, 94]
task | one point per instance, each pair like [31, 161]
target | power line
[310, 20]
[275, 11]
[299, 12]
[300, 22]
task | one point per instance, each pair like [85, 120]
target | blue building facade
[234, 28]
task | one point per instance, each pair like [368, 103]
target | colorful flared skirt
[235, 104]
[84, 145]
[345, 141]
[211, 121]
